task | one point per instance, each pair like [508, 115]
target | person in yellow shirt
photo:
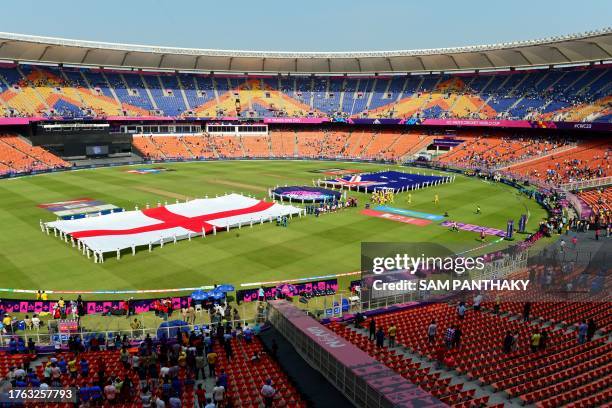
[6, 322]
[43, 296]
[535, 341]
[182, 359]
[72, 367]
[212, 361]
[392, 332]
[436, 199]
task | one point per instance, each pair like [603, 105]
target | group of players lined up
[330, 206]
[383, 196]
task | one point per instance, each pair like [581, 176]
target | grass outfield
[310, 246]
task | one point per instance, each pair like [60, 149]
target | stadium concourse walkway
[315, 389]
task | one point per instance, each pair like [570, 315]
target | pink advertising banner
[295, 120]
[470, 122]
[17, 121]
[395, 388]
[139, 118]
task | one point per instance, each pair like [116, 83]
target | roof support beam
[296, 65]
[421, 62]
[453, 60]
[522, 54]
[263, 64]
[44, 52]
[568, 59]
[161, 60]
[390, 64]
[196, 62]
[491, 64]
[85, 55]
[124, 57]
[229, 67]
[358, 64]
[329, 65]
[601, 48]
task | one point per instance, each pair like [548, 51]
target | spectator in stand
[7, 322]
[582, 332]
[72, 367]
[372, 328]
[145, 397]
[110, 392]
[200, 393]
[63, 366]
[210, 403]
[247, 333]
[223, 379]
[508, 340]
[432, 329]
[457, 337]
[543, 339]
[218, 393]
[255, 358]
[515, 341]
[126, 388]
[31, 346]
[449, 336]
[200, 362]
[84, 367]
[47, 373]
[159, 403]
[268, 392]
[380, 337]
[591, 329]
[212, 362]
[461, 309]
[526, 311]
[35, 322]
[392, 333]
[535, 341]
[174, 401]
[227, 346]
[124, 357]
[477, 302]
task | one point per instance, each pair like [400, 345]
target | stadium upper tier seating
[570, 94]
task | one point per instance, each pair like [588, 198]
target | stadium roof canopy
[592, 46]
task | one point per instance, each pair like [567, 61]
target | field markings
[162, 193]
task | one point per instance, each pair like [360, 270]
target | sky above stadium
[313, 25]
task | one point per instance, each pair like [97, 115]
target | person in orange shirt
[212, 362]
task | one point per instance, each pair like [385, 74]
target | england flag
[131, 229]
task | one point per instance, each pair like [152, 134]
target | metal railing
[105, 337]
[587, 184]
